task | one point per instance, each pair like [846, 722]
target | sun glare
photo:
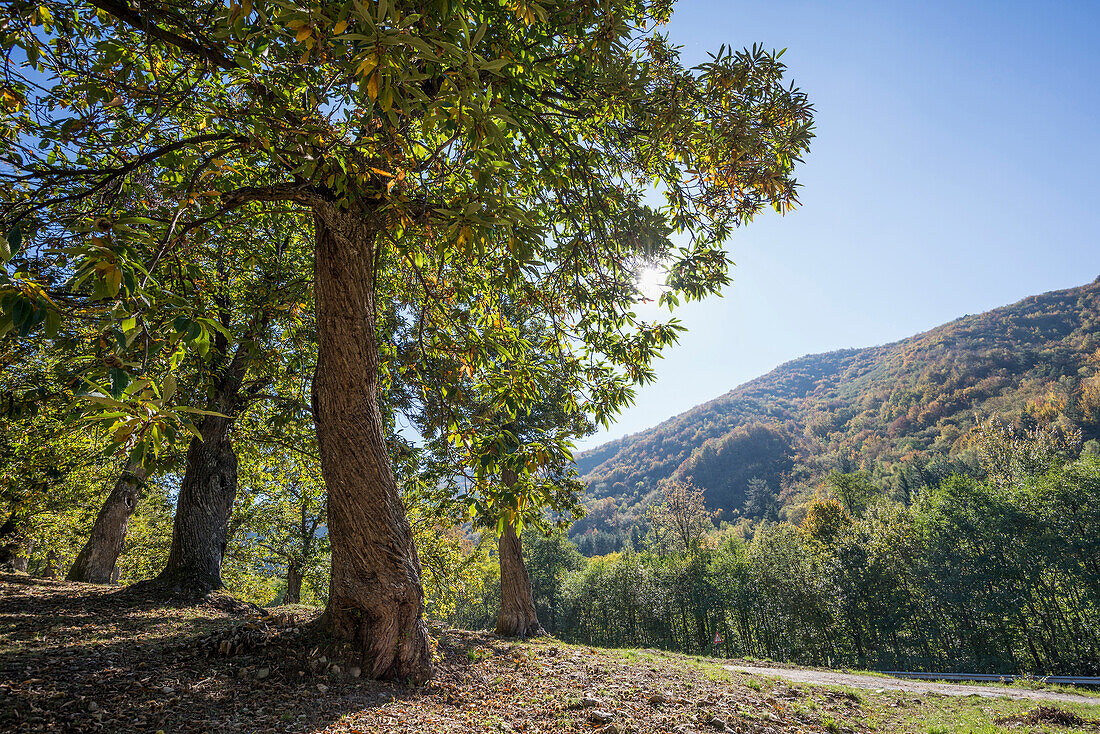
[651, 282]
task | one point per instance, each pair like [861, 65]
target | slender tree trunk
[293, 584]
[96, 561]
[517, 617]
[50, 571]
[375, 598]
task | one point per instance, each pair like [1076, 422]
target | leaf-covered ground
[75, 657]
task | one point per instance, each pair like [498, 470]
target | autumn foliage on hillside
[896, 410]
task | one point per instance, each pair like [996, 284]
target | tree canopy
[439, 155]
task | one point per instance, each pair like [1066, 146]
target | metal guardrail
[1070, 680]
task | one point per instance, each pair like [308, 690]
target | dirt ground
[82, 658]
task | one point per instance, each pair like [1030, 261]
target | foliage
[968, 575]
[907, 412]
[679, 519]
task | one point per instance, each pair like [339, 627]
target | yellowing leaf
[340, 27]
[373, 85]
[303, 34]
[114, 280]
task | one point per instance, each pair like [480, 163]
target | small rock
[93, 706]
[609, 729]
[589, 703]
[263, 673]
[657, 699]
[322, 687]
[596, 716]
[355, 671]
[336, 670]
[167, 689]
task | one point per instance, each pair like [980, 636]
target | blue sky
[953, 172]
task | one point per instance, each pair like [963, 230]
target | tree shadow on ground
[77, 657]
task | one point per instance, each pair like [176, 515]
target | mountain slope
[910, 401]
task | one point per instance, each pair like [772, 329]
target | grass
[1028, 683]
[898, 711]
[844, 708]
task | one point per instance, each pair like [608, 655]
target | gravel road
[830, 678]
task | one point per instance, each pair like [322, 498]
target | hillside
[882, 408]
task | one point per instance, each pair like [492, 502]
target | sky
[952, 172]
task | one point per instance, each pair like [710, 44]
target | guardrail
[1069, 680]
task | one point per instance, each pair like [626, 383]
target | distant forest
[904, 412]
[994, 574]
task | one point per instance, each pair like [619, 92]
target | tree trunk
[96, 561]
[517, 616]
[50, 571]
[375, 598]
[24, 558]
[209, 487]
[293, 584]
[205, 503]
[11, 537]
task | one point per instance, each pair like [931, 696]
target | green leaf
[198, 411]
[168, 387]
[11, 244]
[119, 380]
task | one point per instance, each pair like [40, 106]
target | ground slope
[75, 657]
[908, 401]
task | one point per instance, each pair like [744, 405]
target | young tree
[760, 500]
[1010, 455]
[855, 490]
[516, 146]
[282, 481]
[505, 431]
[680, 519]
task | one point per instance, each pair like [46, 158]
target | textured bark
[293, 585]
[375, 598]
[23, 559]
[11, 538]
[96, 561]
[50, 571]
[517, 617]
[209, 487]
[203, 508]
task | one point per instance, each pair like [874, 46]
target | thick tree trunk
[23, 559]
[293, 584]
[96, 561]
[203, 508]
[209, 487]
[11, 538]
[517, 616]
[375, 598]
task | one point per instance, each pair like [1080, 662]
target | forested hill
[880, 408]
